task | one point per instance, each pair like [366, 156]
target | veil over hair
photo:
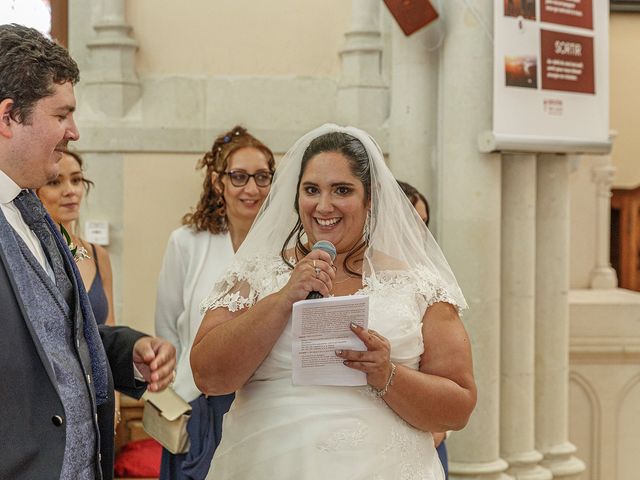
[399, 246]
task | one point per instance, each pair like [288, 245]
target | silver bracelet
[383, 391]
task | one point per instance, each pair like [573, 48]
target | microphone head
[326, 246]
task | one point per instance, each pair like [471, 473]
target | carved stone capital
[112, 82]
[602, 176]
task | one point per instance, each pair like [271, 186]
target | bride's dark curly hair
[356, 154]
[210, 212]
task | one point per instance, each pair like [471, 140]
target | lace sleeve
[428, 287]
[433, 290]
[245, 282]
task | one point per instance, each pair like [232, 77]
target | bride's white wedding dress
[276, 431]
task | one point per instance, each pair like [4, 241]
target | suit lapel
[85, 324]
[9, 246]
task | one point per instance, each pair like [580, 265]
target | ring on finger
[317, 269]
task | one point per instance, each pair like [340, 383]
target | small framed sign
[412, 15]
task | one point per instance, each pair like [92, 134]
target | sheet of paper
[320, 327]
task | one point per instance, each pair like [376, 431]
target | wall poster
[551, 70]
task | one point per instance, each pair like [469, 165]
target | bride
[334, 185]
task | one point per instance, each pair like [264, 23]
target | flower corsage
[79, 252]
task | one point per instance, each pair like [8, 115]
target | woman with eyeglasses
[238, 171]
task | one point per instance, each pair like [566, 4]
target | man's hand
[155, 358]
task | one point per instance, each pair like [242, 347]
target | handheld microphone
[328, 247]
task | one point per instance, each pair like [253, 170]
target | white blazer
[192, 263]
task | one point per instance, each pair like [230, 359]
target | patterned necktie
[33, 213]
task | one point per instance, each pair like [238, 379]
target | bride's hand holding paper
[375, 361]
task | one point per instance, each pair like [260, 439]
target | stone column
[603, 275]
[552, 318]
[517, 404]
[99, 40]
[414, 101]
[363, 98]
[112, 86]
[468, 212]
[80, 33]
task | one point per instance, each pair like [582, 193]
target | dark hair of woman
[210, 212]
[355, 153]
[76, 156]
[414, 196]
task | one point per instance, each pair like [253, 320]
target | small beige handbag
[165, 418]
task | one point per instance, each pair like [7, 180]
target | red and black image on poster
[567, 62]
[521, 71]
[575, 13]
[520, 8]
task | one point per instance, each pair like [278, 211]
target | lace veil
[399, 245]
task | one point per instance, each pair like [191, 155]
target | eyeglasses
[240, 179]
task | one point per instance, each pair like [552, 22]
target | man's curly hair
[30, 64]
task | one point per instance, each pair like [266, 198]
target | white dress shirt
[9, 190]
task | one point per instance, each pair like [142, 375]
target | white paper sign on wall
[97, 231]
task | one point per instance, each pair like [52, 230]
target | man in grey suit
[57, 367]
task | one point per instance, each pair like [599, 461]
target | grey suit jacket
[33, 441]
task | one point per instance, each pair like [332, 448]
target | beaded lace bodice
[254, 278]
[398, 300]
